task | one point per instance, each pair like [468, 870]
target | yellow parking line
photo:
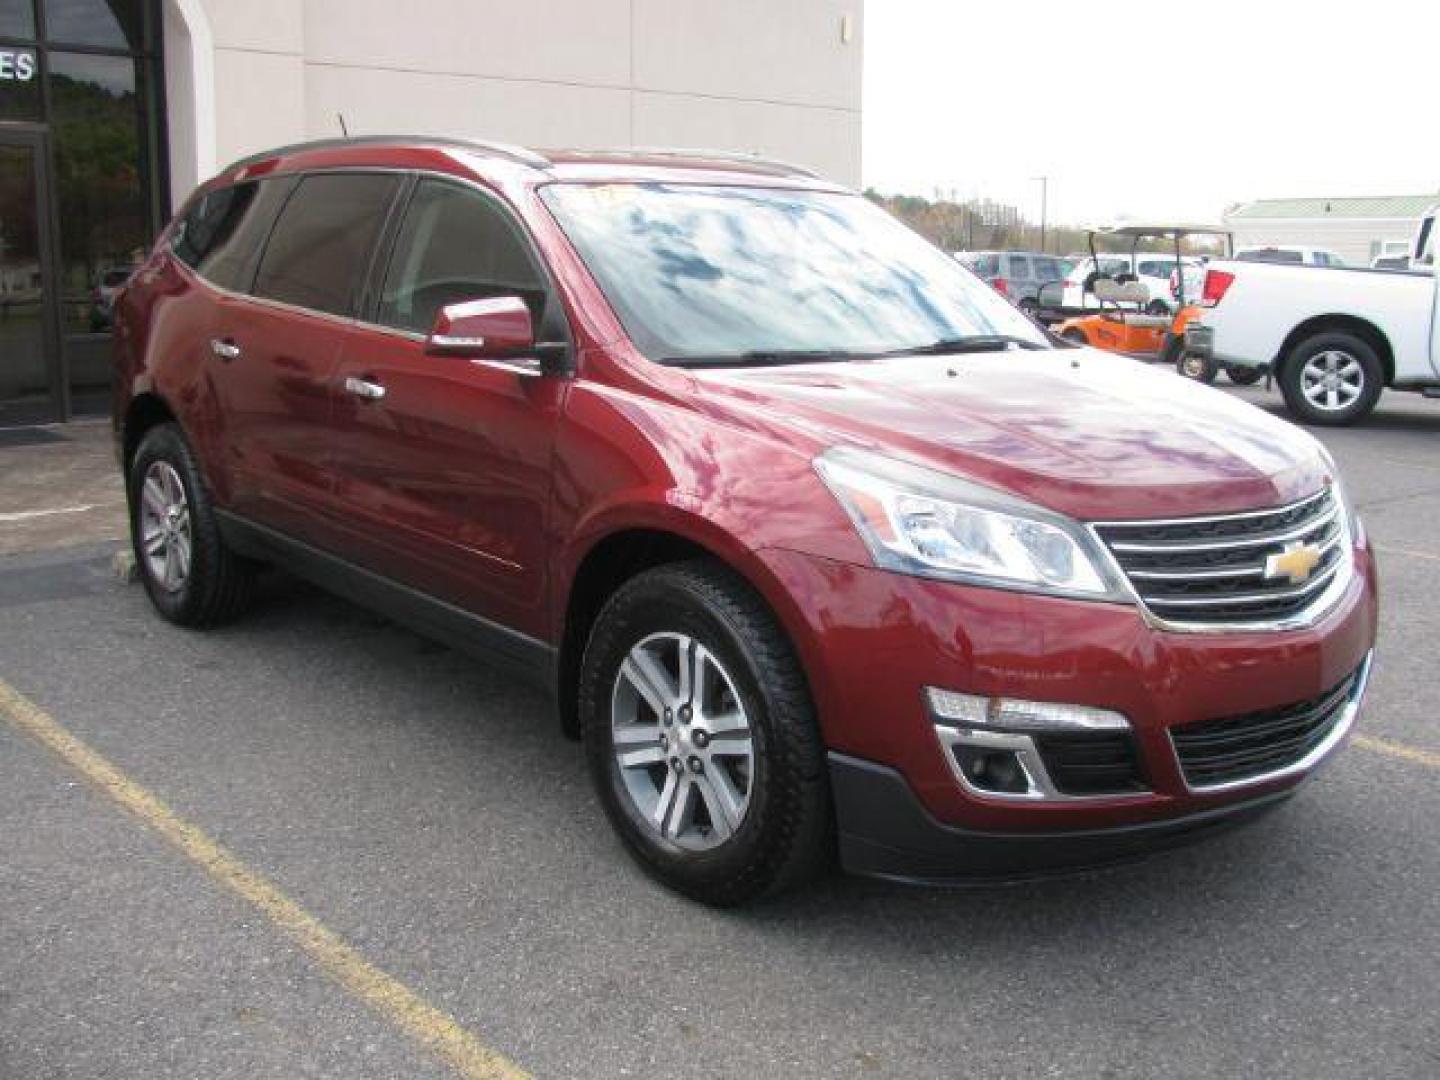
[391, 999]
[1428, 758]
[1388, 550]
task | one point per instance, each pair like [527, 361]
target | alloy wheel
[165, 533]
[682, 741]
[1332, 380]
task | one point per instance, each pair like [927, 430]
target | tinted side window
[202, 223]
[318, 251]
[987, 265]
[226, 238]
[454, 245]
[1019, 267]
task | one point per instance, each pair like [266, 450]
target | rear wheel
[701, 738]
[192, 578]
[1157, 307]
[1331, 379]
[1243, 376]
[1077, 336]
[1027, 307]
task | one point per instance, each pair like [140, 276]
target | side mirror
[497, 328]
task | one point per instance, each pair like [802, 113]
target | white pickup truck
[1332, 338]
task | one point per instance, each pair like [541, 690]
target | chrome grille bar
[1220, 571]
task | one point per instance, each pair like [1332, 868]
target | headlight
[918, 521]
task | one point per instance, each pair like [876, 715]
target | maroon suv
[820, 544]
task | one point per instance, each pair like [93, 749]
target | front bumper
[872, 641]
[885, 832]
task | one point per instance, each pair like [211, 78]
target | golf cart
[1123, 319]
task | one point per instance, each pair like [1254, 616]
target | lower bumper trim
[886, 832]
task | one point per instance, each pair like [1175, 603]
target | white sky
[1279, 98]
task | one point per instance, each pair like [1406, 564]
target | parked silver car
[1017, 275]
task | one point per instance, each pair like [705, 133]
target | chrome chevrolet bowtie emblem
[1295, 562]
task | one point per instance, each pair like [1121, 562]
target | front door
[29, 383]
[442, 464]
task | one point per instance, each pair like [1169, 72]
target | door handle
[363, 388]
[225, 350]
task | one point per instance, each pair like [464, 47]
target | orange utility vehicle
[1118, 322]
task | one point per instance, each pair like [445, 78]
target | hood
[1090, 434]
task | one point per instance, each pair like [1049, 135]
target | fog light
[993, 770]
[1011, 714]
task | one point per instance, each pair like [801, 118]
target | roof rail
[509, 152]
[736, 156]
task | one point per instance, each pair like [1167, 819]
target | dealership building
[112, 110]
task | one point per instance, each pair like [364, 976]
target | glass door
[29, 388]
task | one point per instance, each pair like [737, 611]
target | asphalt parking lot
[467, 898]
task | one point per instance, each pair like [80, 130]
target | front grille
[1212, 570]
[1223, 751]
[1092, 763]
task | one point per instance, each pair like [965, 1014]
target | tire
[192, 578]
[778, 830]
[1243, 376]
[1157, 307]
[1027, 308]
[1077, 336]
[1305, 379]
[1191, 365]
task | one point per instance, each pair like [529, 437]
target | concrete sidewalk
[59, 486]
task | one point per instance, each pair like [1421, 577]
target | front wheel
[1191, 365]
[1331, 379]
[701, 738]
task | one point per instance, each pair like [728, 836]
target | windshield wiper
[969, 343]
[761, 358]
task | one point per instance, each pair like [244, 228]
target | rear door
[275, 350]
[443, 464]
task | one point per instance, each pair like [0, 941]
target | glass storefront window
[78, 75]
[17, 18]
[96, 124]
[106, 24]
[19, 83]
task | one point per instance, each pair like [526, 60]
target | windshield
[700, 273]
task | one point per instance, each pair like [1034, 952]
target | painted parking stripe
[1388, 747]
[385, 995]
[30, 515]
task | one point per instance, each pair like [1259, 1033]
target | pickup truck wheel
[1243, 376]
[192, 578]
[1331, 379]
[701, 737]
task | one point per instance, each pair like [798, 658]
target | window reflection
[96, 123]
[17, 19]
[19, 83]
[108, 24]
[720, 271]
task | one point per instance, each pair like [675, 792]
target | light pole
[1044, 199]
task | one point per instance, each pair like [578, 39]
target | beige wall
[766, 76]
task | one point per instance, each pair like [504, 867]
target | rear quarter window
[223, 241]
